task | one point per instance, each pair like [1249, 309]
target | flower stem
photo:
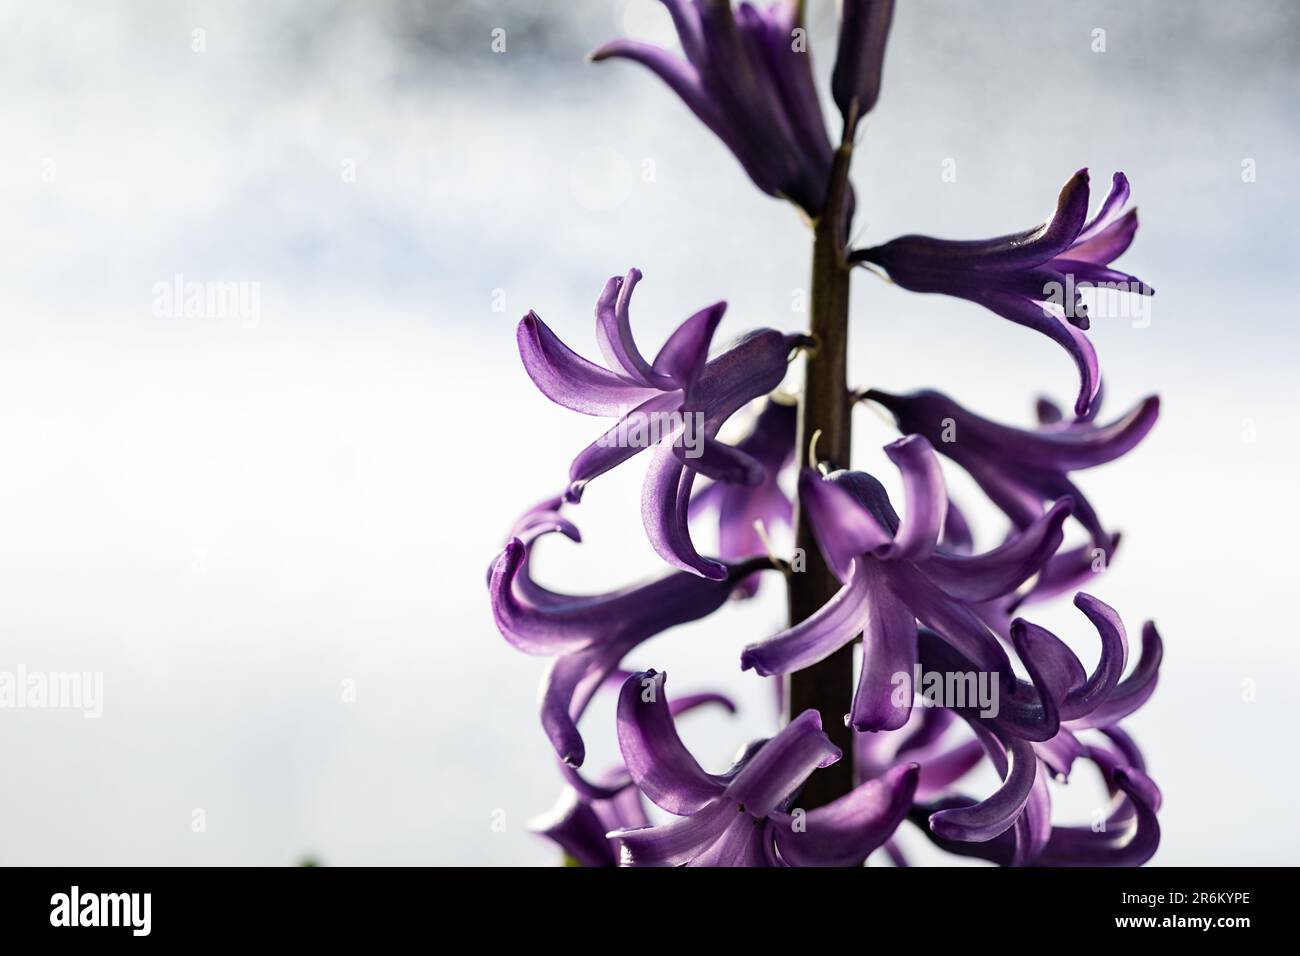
[825, 407]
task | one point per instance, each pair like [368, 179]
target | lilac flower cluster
[936, 619]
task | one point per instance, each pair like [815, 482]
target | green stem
[825, 408]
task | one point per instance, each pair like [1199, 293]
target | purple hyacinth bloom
[675, 404]
[855, 81]
[1022, 469]
[579, 824]
[747, 816]
[1035, 736]
[1031, 277]
[741, 508]
[1128, 836]
[588, 635]
[748, 77]
[894, 572]
[586, 812]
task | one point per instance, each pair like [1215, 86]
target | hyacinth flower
[588, 635]
[1032, 277]
[1022, 470]
[742, 509]
[748, 78]
[1035, 734]
[579, 824]
[746, 816]
[893, 573]
[675, 404]
[585, 813]
[1128, 836]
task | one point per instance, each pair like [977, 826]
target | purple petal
[1035, 316]
[883, 700]
[684, 354]
[782, 765]
[1101, 683]
[1108, 244]
[996, 814]
[630, 436]
[833, 625]
[614, 332]
[927, 499]
[844, 529]
[1132, 692]
[1110, 207]
[995, 573]
[658, 761]
[665, 510]
[846, 831]
[1127, 846]
[574, 825]
[568, 379]
[921, 263]
[677, 842]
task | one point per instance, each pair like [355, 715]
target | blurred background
[268, 528]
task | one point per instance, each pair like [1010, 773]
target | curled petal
[568, 379]
[665, 511]
[1124, 846]
[844, 529]
[927, 499]
[1097, 689]
[996, 814]
[780, 767]
[846, 831]
[1002, 570]
[1134, 690]
[1035, 316]
[614, 331]
[658, 761]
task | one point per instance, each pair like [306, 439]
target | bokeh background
[238, 521]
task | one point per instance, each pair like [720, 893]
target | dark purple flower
[1021, 469]
[747, 75]
[1031, 277]
[746, 816]
[585, 812]
[578, 824]
[1128, 835]
[741, 508]
[676, 404]
[1070, 703]
[855, 81]
[894, 572]
[588, 634]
